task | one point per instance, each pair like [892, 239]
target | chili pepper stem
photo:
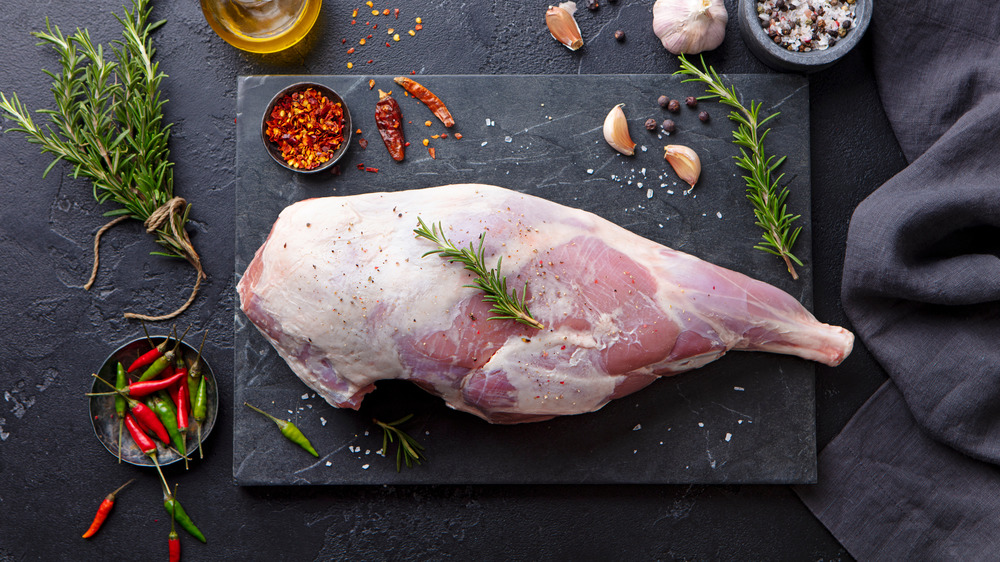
[158, 470]
[201, 455]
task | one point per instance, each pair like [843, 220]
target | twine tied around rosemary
[166, 214]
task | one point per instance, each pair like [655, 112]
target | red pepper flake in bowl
[307, 127]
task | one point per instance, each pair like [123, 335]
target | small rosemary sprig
[506, 306]
[408, 451]
[763, 191]
[108, 123]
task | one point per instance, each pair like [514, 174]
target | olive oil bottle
[261, 26]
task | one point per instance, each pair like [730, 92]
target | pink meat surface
[342, 293]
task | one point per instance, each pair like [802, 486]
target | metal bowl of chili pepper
[306, 127]
[153, 397]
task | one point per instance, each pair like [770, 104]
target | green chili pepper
[165, 411]
[289, 430]
[121, 381]
[199, 409]
[194, 370]
[178, 514]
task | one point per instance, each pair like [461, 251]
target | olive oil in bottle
[261, 26]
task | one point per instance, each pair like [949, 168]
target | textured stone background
[53, 334]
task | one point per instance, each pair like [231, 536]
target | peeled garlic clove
[684, 161]
[690, 26]
[563, 27]
[616, 131]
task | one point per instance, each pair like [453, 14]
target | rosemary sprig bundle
[408, 451]
[108, 123]
[506, 306]
[763, 190]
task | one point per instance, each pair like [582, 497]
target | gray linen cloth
[915, 475]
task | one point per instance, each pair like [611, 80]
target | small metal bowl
[272, 147]
[779, 58]
[105, 420]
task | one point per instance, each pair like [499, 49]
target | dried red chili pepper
[389, 119]
[432, 102]
[307, 127]
[432, 152]
[103, 510]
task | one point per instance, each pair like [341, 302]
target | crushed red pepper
[307, 128]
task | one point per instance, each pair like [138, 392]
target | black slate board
[747, 418]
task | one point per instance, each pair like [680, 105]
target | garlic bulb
[684, 161]
[616, 131]
[690, 26]
[563, 26]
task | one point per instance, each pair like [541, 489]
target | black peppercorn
[846, 24]
[704, 116]
[691, 102]
[663, 101]
[674, 106]
[619, 36]
[592, 5]
[650, 124]
[669, 126]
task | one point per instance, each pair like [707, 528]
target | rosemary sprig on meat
[763, 189]
[108, 123]
[506, 306]
[408, 451]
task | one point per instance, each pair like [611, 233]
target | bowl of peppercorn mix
[802, 35]
[306, 127]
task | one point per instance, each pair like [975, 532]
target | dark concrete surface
[53, 334]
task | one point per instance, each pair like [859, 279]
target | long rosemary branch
[763, 190]
[108, 124]
[506, 306]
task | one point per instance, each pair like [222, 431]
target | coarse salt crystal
[718, 214]
[590, 170]
[729, 436]
[701, 424]
[508, 139]
[649, 194]
[305, 396]
[637, 427]
[328, 463]
[484, 143]
[322, 421]
[739, 388]
[365, 466]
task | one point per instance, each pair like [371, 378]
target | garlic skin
[616, 131]
[690, 26]
[563, 26]
[685, 163]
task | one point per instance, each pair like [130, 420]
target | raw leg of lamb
[342, 293]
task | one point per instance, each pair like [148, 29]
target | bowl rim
[773, 55]
[329, 92]
[164, 455]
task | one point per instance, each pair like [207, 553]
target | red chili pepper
[148, 419]
[151, 355]
[388, 118]
[182, 400]
[103, 510]
[145, 388]
[144, 443]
